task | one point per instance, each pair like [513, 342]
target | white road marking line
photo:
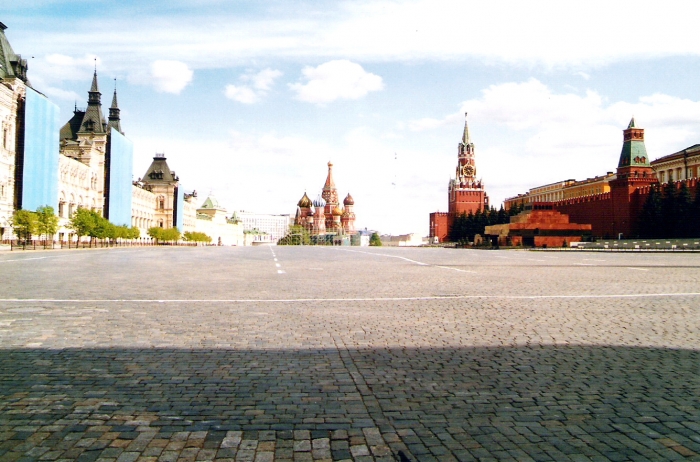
[638, 269]
[278, 265]
[420, 263]
[24, 259]
[349, 299]
[454, 269]
[275, 259]
[584, 264]
[281, 271]
[532, 259]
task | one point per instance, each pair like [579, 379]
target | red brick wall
[440, 224]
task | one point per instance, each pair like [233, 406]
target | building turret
[348, 218]
[633, 171]
[93, 119]
[11, 64]
[114, 119]
[330, 195]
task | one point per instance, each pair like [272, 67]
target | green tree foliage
[683, 206]
[650, 218]
[24, 224]
[466, 226]
[90, 223]
[375, 240]
[670, 212]
[46, 222]
[194, 236]
[84, 222]
[297, 235]
[164, 235]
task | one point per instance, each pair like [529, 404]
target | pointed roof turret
[330, 184]
[114, 120]
[159, 172]
[95, 88]
[465, 136]
[634, 152]
[93, 120]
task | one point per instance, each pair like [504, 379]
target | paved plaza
[363, 354]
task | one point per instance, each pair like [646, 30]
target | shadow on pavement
[542, 403]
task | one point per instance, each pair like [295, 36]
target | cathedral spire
[330, 193]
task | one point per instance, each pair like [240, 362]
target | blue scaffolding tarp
[40, 171]
[121, 160]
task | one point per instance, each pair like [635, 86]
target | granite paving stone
[208, 353]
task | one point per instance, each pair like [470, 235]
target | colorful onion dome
[349, 200]
[305, 202]
[337, 211]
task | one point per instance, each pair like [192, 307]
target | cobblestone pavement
[301, 354]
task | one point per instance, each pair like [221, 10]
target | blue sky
[250, 100]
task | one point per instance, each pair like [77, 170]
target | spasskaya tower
[465, 192]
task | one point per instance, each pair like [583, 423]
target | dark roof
[70, 130]
[689, 150]
[159, 172]
[11, 64]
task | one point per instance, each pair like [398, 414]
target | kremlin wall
[606, 206]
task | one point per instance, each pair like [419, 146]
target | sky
[250, 100]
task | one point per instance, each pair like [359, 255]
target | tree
[375, 240]
[83, 222]
[650, 218]
[668, 210]
[24, 224]
[156, 233]
[194, 236]
[46, 223]
[683, 209]
[297, 235]
[171, 234]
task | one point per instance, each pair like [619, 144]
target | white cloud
[170, 76]
[59, 93]
[527, 135]
[339, 79]
[260, 84]
[551, 33]
[264, 79]
[242, 94]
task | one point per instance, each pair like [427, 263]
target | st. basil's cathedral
[324, 216]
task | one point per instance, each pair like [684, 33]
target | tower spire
[93, 121]
[114, 119]
[465, 136]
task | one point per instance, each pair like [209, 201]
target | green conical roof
[634, 152]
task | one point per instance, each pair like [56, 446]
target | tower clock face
[468, 170]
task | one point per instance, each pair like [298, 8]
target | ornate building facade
[324, 216]
[13, 84]
[465, 192]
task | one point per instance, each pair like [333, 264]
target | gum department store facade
[88, 163]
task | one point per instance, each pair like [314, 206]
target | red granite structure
[538, 226]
